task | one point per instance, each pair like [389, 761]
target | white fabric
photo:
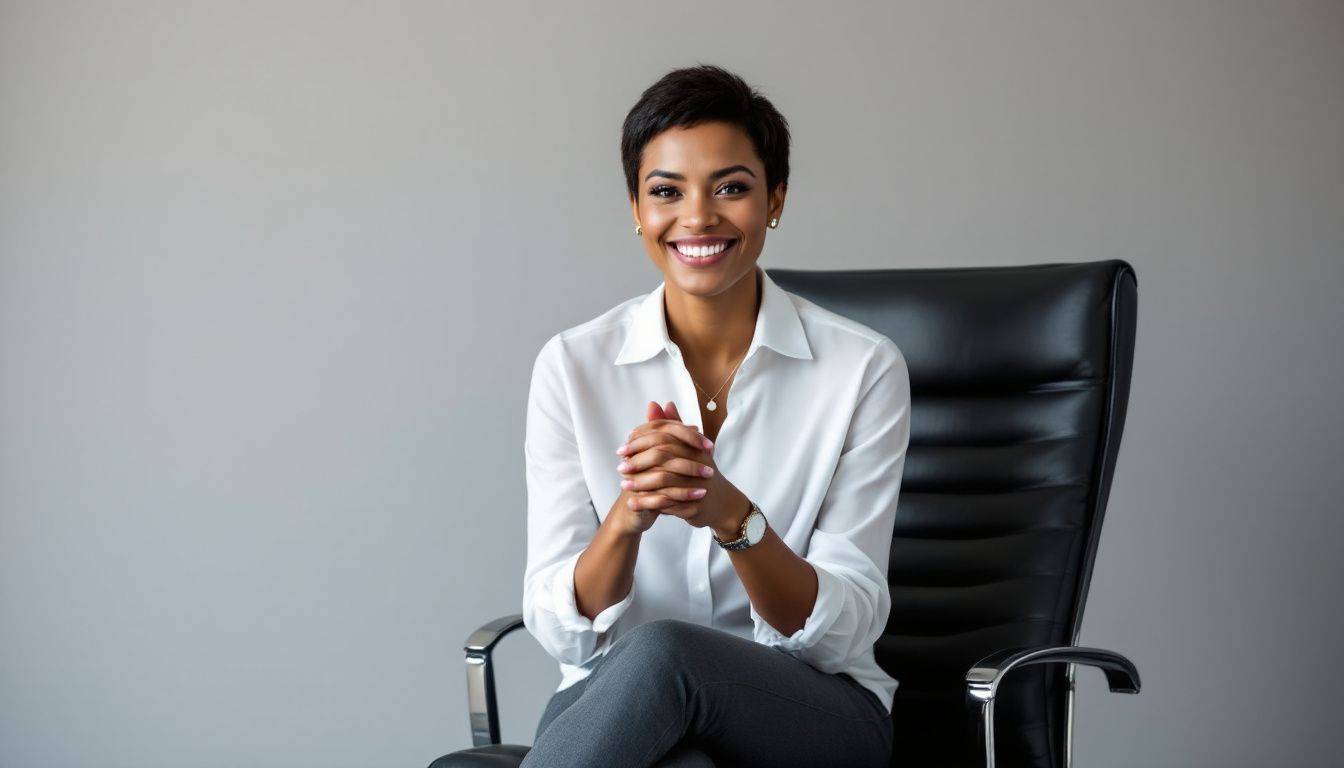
[816, 434]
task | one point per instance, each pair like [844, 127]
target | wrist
[732, 526]
[624, 526]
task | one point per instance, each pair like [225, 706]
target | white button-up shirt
[816, 434]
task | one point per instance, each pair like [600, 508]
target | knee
[664, 634]
[661, 643]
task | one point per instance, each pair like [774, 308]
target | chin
[709, 282]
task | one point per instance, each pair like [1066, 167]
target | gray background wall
[272, 277]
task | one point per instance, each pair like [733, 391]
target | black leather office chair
[1020, 378]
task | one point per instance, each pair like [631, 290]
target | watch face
[755, 528]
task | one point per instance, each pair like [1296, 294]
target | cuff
[825, 611]
[567, 609]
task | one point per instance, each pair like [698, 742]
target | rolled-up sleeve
[850, 546]
[561, 521]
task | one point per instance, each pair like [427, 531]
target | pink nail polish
[709, 444]
[621, 451]
[707, 471]
[624, 465]
[626, 484]
[698, 492]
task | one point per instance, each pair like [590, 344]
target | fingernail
[708, 444]
[698, 492]
[621, 451]
[626, 484]
[624, 465]
[707, 471]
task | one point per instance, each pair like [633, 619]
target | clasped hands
[668, 469]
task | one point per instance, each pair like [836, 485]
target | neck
[714, 330]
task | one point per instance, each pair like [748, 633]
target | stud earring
[638, 230]
[774, 223]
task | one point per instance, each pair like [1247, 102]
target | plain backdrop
[273, 277]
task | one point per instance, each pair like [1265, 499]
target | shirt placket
[701, 539]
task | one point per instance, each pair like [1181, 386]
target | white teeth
[700, 252]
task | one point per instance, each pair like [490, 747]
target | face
[703, 187]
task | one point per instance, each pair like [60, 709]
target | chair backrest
[1019, 381]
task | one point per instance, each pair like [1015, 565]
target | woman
[665, 577]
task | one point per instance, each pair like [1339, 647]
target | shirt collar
[777, 326]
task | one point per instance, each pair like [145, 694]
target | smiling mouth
[702, 254]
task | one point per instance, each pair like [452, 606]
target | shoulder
[598, 338]
[845, 339]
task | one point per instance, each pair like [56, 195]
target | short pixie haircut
[704, 93]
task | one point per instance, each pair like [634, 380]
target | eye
[658, 190]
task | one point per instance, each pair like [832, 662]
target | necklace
[711, 405]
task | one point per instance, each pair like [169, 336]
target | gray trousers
[676, 693]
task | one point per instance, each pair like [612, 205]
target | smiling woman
[710, 639]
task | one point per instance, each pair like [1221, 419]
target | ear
[634, 209]
[776, 202]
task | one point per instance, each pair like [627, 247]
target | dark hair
[703, 93]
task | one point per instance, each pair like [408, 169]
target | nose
[699, 213]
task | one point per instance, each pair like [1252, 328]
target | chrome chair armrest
[982, 681]
[481, 706]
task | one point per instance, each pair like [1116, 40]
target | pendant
[711, 406]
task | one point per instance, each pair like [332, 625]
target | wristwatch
[751, 532]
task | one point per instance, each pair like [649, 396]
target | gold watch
[751, 532]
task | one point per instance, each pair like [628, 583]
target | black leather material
[1020, 378]
[1019, 381]
[493, 756]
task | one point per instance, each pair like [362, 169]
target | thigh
[746, 703]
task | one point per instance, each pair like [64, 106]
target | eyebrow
[715, 175]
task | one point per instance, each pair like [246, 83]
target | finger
[648, 439]
[682, 510]
[654, 412]
[661, 481]
[671, 411]
[654, 501]
[687, 433]
[663, 460]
